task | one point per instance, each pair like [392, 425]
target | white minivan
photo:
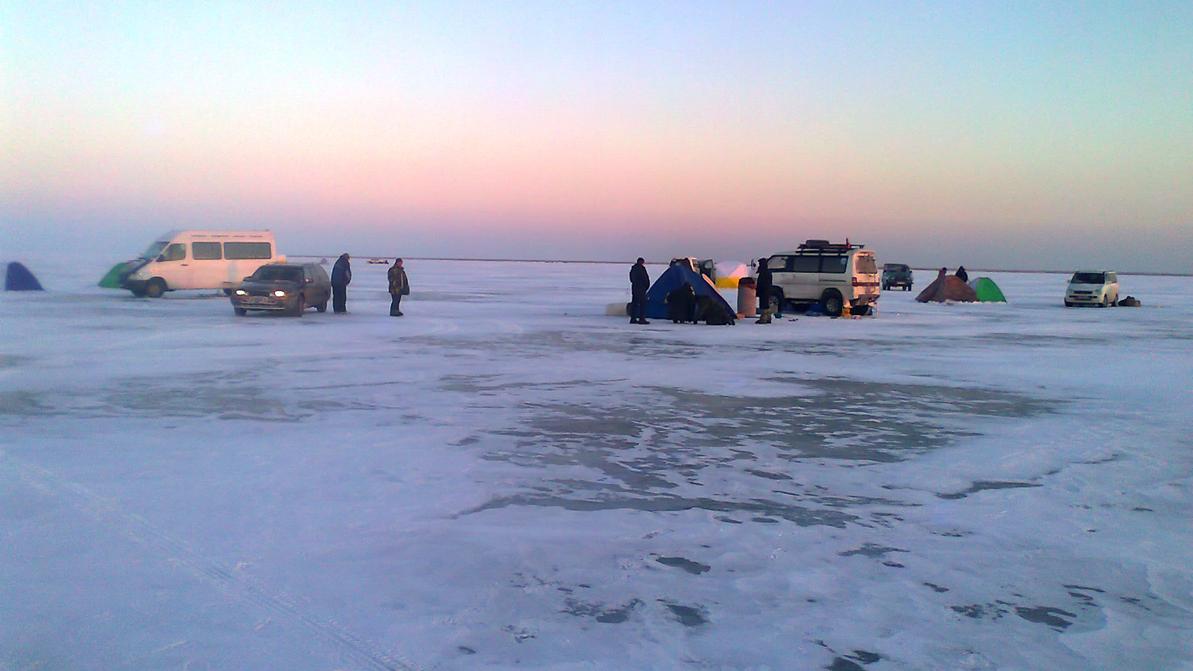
[195, 260]
[1092, 287]
[832, 275]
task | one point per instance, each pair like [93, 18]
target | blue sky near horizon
[992, 134]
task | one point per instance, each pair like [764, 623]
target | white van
[1092, 287]
[196, 260]
[826, 273]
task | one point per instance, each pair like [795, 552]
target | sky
[1014, 135]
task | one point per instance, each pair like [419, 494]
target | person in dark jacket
[399, 285]
[341, 277]
[639, 284]
[764, 285]
[681, 304]
[964, 276]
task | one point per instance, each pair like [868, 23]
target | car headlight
[241, 292]
[279, 293]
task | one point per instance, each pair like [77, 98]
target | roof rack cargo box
[815, 246]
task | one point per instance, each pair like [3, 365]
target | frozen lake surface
[506, 478]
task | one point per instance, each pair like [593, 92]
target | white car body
[829, 274]
[201, 260]
[1092, 287]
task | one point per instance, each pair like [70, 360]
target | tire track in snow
[177, 552]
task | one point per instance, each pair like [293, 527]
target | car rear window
[273, 273]
[864, 263]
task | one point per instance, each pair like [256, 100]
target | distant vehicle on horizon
[830, 274]
[896, 275]
[194, 260]
[1092, 288]
[283, 287]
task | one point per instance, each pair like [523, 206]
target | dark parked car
[896, 275]
[284, 287]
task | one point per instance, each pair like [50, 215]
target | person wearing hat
[341, 277]
[764, 283]
[639, 284]
[399, 286]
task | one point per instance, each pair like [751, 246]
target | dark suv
[896, 275]
[284, 287]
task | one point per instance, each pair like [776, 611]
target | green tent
[987, 290]
[113, 278]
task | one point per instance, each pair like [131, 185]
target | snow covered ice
[506, 478]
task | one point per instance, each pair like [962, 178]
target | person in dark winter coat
[341, 277]
[399, 285]
[961, 274]
[639, 284]
[765, 282]
[681, 304]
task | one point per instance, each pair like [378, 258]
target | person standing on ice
[341, 277]
[639, 284]
[399, 286]
[961, 274]
[764, 284]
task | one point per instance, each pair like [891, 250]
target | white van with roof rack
[195, 260]
[831, 274]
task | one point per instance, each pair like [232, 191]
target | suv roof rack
[826, 246]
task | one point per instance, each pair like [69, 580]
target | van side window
[806, 264]
[205, 251]
[175, 252]
[247, 250]
[834, 264]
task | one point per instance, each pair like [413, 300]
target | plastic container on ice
[747, 298]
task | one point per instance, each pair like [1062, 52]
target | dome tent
[947, 288]
[987, 291]
[674, 278]
[18, 278]
[729, 273]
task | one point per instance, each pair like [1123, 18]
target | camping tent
[729, 272]
[674, 278]
[947, 288]
[18, 278]
[987, 290]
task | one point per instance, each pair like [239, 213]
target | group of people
[341, 277]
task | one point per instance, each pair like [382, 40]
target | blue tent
[18, 278]
[674, 278]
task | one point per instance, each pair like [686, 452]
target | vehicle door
[833, 275]
[322, 282]
[174, 266]
[208, 270]
[804, 271]
[863, 274]
[780, 272]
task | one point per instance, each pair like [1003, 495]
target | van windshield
[273, 273]
[155, 249]
[1088, 278]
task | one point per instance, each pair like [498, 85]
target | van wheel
[240, 312]
[1068, 304]
[322, 307]
[155, 287]
[139, 293]
[832, 303]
